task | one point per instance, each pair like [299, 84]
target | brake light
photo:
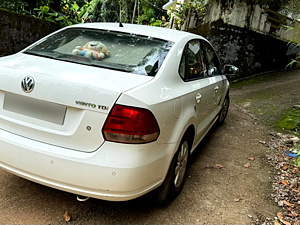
[130, 125]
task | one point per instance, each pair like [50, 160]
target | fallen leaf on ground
[276, 223]
[283, 182]
[280, 217]
[295, 170]
[67, 217]
[219, 166]
[292, 214]
[288, 203]
[284, 168]
[247, 165]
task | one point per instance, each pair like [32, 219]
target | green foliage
[293, 44]
[158, 23]
[123, 10]
[182, 11]
[43, 12]
[152, 11]
[297, 162]
[23, 6]
[148, 14]
[70, 12]
[17, 6]
[77, 11]
[293, 62]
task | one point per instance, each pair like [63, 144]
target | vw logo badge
[27, 84]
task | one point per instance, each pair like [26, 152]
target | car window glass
[113, 50]
[213, 64]
[192, 65]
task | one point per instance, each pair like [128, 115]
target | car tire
[176, 176]
[224, 110]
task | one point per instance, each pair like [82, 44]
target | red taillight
[130, 125]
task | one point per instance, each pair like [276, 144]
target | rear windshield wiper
[48, 54]
[61, 56]
[82, 60]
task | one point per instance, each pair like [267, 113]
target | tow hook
[81, 198]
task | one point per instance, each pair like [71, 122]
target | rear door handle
[216, 88]
[198, 97]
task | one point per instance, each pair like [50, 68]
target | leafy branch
[182, 11]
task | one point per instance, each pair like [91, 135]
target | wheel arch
[190, 133]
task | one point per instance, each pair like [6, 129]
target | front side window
[213, 63]
[113, 50]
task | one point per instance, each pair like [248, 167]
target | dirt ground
[229, 180]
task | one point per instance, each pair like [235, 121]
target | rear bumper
[115, 172]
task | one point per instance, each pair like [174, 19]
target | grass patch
[290, 121]
[254, 80]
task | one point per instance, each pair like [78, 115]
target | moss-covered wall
[18, 31]
[251, 51]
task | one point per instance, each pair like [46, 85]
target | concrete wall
[235, 14]
[254, 17]
[240, 34]
[18, 31]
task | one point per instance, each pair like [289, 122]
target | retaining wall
[18, 31]
[251, 51]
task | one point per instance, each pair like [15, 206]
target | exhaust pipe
[81, 198]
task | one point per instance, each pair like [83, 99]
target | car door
[216, 79]
[193, 70]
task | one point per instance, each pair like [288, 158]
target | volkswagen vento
[110, 111]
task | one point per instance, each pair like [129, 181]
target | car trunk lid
[69, 102]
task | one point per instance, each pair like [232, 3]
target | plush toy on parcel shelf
[93, 49]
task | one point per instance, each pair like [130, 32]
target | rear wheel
[176, 175]
[224, 110]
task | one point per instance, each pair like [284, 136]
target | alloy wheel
[181, 164]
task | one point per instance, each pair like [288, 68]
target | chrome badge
[27, 84]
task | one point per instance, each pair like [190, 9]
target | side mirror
[230, 70]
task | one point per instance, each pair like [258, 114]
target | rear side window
[193, 65]
[113, 50]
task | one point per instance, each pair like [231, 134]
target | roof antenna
[120, 24]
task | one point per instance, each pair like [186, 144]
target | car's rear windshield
[113, 50]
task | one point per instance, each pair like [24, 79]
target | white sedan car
[110, 111]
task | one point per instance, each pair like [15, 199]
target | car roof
[151, 31]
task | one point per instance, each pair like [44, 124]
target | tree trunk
[134, 9]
